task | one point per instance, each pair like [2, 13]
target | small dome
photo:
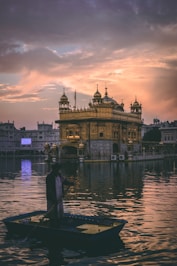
[64, 98]
[106, 99]
[136, 107]
[97, 94]
[97, 98]
[136, 104]
[119, 107]
[63, 103]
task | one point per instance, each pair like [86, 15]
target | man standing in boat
[55, 182]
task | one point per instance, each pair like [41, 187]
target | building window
[101, 134]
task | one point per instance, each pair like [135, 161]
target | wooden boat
[85, 229]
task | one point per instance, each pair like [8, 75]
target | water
[143, 193]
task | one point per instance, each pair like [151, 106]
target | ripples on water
[143, 193]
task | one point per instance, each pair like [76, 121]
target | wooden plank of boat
[73, 227]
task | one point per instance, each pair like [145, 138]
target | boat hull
[74, 228]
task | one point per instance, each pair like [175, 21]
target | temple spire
[106, 93]
[75, 99]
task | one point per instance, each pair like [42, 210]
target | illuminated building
[102, 131]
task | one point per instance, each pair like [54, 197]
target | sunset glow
[130, 47]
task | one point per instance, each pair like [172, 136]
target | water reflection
[58, 252]
[106, 181]
[144, 193]
[13, 167]
[26, 170]
[55, 255]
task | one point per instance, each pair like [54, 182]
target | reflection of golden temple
[101, 130]
[81, 146]
[73, 137]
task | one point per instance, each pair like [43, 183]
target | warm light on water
[143, 193]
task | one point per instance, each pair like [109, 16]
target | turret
[97, 97]
[136, 107]
[63, 103]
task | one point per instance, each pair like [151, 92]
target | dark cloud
[160, 12]
[165, 87]
[6, 90]
[82, 20]
[37, 59]
[28, 97]
[11, 94]
[45, 21]
[67, 42]
[6, 48]
[106, 25]
[172, 63]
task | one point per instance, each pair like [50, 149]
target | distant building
[25, 141]
[146, 128]
[169, 132]
[168, 141]
[169, 136]
[101, 131]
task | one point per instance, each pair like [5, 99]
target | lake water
[143, 193]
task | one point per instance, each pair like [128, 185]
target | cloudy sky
[51, 46]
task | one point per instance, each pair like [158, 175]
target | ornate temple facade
[103, 131]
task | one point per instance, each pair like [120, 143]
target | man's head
[56, 167]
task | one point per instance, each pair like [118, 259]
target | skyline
[47, 47]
